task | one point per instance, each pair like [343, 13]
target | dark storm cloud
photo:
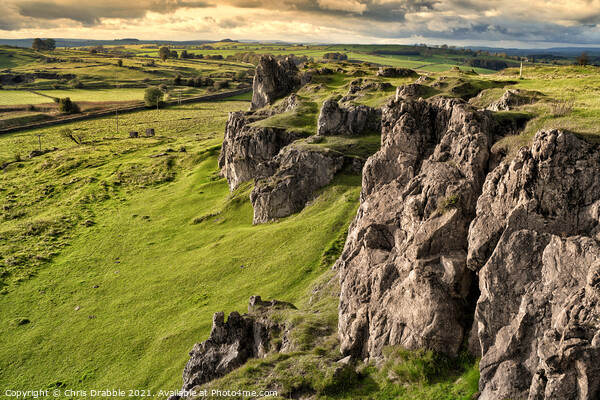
[574, 21]
[90, 14]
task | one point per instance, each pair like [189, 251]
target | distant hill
[93, 42]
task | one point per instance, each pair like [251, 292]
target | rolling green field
[115, 253]
[15, 97]
[130, 230]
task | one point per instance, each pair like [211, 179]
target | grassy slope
[173, 273]
[171, 270]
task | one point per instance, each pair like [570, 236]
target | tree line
[39, 44]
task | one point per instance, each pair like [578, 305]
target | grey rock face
[390, 72]
[232, 343]
[273, 80]
[351, 120]
[245, 147]
[535, 245]
[285, 184]
[403, 273]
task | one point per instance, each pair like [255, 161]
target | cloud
[91, 13]
[574, 21]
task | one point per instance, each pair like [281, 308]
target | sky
[505, 23]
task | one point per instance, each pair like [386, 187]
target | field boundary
[198, 99]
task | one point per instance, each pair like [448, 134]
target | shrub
[177, 79]
[66, 106]
[76, 84]
[30, 107]
[56, 85]
[562, 108]
[221, 85]
[119, 63]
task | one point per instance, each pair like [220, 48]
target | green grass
[105, 214]
[18, 97]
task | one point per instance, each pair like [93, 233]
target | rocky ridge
[445, 230]
[403, 270]
[535, 246]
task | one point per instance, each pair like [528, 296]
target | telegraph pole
[117, 110]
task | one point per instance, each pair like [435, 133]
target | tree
[177, 80]
[50, 44]
[583, 59]
[38, 44]
[174, 55]
[119, 63]
[164, 53]
[153, 97]
[69, 134]
[184, 54]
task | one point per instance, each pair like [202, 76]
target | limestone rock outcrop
[391, 72]
[273, 80]
[245, 147]
[535, 244]
[351, 120]
[286, 184]
[403, 271]
[233, 342]
[411, 91]
[510, 99]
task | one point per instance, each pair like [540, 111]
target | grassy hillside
[115, 253]
[149, 249]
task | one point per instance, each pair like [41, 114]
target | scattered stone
[133, 134]
[345, 361]
[150, 132]
[95, 286]
[91, 317]
[77, 308]
[512, 98]
[314, 139]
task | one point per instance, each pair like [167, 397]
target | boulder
[232, 343]
[273, 80]
[246, 146]
[403, 272]
[350, 120]
[390, 72]
[286, 184]
[535, 246]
